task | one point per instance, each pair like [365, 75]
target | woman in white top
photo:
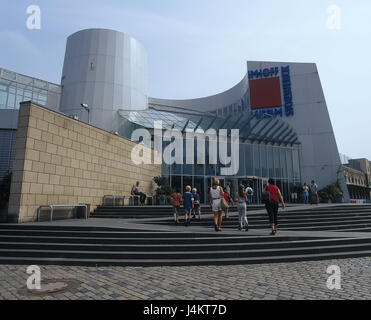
[241, 199]
[215, 195]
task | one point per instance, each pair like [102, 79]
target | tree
[164, 190]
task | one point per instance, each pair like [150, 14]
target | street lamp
[86, 107]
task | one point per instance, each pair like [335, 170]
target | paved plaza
[280, 281]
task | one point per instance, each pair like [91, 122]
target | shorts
[176, 209]
[294, 195]
[217, 206]
[187, 209]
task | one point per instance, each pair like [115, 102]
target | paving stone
[299, 280]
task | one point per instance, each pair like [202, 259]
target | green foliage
[164, 190]
[5, 190]
[160, 181]
[331, 192]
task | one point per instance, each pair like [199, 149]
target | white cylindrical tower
[107, 70]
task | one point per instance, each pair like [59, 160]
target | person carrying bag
[275, 197]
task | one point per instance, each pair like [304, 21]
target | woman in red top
[275, 197]
[228, 199]
[176, 199]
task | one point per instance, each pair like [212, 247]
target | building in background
[357, 174]
[15, 88]
[278, 107]
[107, 70]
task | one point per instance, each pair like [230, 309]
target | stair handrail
[52, 206]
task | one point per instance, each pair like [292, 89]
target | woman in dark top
[197, 207]
[275, 197]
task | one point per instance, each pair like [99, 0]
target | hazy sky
[200, 47]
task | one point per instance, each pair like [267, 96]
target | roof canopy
[265, 129]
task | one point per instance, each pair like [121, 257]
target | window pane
[18, 101]
[210, 168]
[198, 168]
[257, 161]
[3, 96]
[263, 155]
[20, 91]
[4, 84]
[176, 169]
[176, 183]
[249, 160]
[276, 156]
[187, 168]
[9, 75]
[289, 164]
[42, 98]
[295, 156]
[12, 88]
[24, 80]
[242, 161]
[40, 84]
[54, 88]
[11, 101]
[283, 163]
[27, 94]
[187, 181]
[199, 184]
[165, 167]
[270, 161]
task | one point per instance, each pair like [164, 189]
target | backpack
[249, 191]
[265, 197]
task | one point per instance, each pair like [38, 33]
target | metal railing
[52, 206]
[114, 197]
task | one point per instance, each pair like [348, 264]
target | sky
[198, 48]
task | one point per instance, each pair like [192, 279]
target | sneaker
[216, 228]
[247, 228]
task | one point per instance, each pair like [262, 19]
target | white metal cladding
[107, 70]
[311, 121]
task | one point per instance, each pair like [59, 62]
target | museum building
[279, 108]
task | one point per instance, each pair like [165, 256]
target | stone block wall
[59, 160]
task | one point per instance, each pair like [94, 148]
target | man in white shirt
[137, 190]
[313, 193]
[250, 192]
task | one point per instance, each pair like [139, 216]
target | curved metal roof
[265, 129]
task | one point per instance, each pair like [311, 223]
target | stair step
[182, 262]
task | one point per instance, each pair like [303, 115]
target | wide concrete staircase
[156, 242]
[144, 212]
[342, 218]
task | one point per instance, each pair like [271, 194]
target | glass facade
[7, 143]
[259, 158]
[15, 88]
[200, 176]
